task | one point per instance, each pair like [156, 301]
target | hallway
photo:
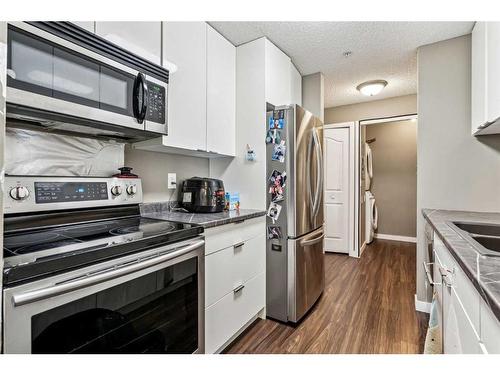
[367, 307]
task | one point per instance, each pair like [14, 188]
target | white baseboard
[422, 306]
[393, 237]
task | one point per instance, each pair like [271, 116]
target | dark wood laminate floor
[367, 307]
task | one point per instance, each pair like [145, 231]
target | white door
[337, 190]
[221, 94]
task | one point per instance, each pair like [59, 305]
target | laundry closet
[388, 180]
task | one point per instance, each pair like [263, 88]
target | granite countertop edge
[205, 220]
[453, 240]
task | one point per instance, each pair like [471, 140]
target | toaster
[203, 195]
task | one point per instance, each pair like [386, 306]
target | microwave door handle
[72, 285]
[140, 88]
[145, 97]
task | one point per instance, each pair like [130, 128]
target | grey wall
[397, 106]
[394, 181]
[153, 168]
[455, 170]
[313, 94]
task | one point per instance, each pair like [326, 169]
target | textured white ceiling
[380, 50]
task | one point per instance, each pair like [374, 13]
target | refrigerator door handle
[319, 174]
[308, 176]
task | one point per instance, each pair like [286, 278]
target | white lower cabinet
[490, 330]
[468, 323]
[460, 336]
[235, 280]
[233, 312]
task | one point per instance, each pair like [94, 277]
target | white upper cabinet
[493, 70]
[485, 78]
[478, 75]
[141, 38]
[278, 73]
[184, 44]
[221, 94]
[87, 25]
[295, 85]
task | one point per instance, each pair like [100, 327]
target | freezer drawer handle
[56, 290]
[311, 241]
[428, 273]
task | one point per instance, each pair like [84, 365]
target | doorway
[387, 191]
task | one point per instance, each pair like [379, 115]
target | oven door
[51, 74]
[150, 302]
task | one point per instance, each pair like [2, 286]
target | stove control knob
[116, 190]
[131, 189]
[19, 193]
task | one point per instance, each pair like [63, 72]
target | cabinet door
[493, 70]
[141, 38]
[184, 44]
[295, 85]
[460, 337]
[490, 329]
[87, 25]
[221, 94]
[478, 76]
[277, 76]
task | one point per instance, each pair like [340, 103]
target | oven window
[155, 313]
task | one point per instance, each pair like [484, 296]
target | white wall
[239, 175]
[153, 168]
[397, 106]
[455, 170]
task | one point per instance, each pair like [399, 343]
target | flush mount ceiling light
[371, 88]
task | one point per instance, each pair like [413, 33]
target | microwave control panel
[157, 99]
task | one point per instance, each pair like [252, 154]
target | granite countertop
[483, 271]
[160, 211]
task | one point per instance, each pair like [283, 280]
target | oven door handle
[69, 286]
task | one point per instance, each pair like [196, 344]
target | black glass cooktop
[31, 253]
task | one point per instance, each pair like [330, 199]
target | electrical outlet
[171, 181]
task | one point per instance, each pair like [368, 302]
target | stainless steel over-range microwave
[65, 78]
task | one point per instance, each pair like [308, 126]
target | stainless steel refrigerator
[295, 254]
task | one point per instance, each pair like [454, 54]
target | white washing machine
[371, 216]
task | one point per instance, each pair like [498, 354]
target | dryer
[371, 216]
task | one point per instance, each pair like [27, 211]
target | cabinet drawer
[231, 313]
[490, 329]
[231, 267]
[228, 235]
[463, 287]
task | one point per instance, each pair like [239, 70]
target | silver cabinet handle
[56, 290]
[308, 241]
[238, 288]
[428, 273]
[239, 244]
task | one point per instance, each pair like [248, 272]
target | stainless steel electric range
[85, 273]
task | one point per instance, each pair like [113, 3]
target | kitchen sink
[485, 238]
[479, 229]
